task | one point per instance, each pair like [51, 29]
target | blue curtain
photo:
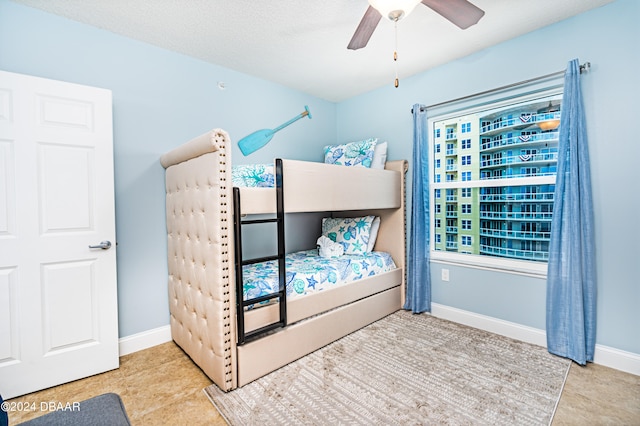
[571, 278]
[418, 297]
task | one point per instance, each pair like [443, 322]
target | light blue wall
[608, 37]
[160, 100]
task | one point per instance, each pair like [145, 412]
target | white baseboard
[618, 359]
[144, 340]
[610, 357]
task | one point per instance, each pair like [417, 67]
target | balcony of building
[520, 159]
[542, 256]
[518, 197]
[517, 139]
[452, 245]
[452, 229]
[518, 171]
[515, 235]
[524, 120]
[535, 216]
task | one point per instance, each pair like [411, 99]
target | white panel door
[58, 301]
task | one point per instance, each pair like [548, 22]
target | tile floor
[161, 385]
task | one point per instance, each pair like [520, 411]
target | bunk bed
[204, 260]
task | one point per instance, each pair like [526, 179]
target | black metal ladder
[281, 294]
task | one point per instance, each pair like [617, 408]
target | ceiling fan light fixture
[394, 10]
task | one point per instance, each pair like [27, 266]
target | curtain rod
[583, 69]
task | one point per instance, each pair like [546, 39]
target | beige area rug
[406, 369]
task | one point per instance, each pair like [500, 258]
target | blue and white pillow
[352, 232]
[358, 153]
[253, 175]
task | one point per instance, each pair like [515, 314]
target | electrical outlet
[445, 275]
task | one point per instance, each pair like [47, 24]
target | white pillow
[379, 156]
[373, 233]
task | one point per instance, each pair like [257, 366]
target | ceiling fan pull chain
[397, 82]
[395, 55]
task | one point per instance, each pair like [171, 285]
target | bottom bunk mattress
[309, 273]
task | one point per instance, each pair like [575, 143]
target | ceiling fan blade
[460, 12]
[365, 29]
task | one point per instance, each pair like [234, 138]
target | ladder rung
[255, 333]
[259, 259]
[254, 221]
[262, 298]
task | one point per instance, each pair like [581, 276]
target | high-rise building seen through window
[499, 179]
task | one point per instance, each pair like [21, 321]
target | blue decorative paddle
[258, 139]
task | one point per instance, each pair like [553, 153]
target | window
[451, 149]
[451, 195]
[436, 148]
[451, 133]
[437, 163]
[502, 199]
[451, 164]
[452, 244]
[436, 133]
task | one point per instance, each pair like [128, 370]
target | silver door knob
[104, 245]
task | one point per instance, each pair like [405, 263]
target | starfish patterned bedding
[308, 272]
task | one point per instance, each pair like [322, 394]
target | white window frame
[497, 100]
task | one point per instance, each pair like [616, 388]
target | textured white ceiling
[302, 44]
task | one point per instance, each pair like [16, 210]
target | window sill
[497, 264]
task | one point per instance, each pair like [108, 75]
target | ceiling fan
[460, 12]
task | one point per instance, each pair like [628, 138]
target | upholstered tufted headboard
[200, 247]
